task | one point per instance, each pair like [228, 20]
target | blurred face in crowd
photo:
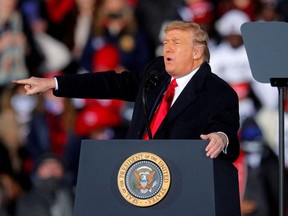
[86, 4]
[114, 5]
[181, 56]
[23, 105]
[235, 40]
[6, 8]
[117, 15]
[50, 168]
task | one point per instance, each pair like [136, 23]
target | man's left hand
[217, 143]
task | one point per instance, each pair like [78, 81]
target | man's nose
[167, 49]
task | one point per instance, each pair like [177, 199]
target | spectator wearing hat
[48, 195]
[100, 62]
[229, 61]
[97, 122]
[258, 172]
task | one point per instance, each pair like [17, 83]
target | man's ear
[198, 52]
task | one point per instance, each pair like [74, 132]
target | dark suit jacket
[207, 104]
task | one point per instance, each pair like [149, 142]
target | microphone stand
[150, 82]
[144, 100]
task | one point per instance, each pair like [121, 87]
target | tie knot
[173, 84]
[170, 91]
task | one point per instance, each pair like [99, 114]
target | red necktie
[163, 108]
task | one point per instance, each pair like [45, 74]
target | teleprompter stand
[267, 50]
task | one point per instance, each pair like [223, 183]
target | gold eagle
[149, 179]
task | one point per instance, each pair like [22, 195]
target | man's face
[235, 40]
[179, 53]
[50, 168]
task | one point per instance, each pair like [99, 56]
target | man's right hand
[35, 85]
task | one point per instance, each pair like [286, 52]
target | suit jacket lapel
[154, 95]
[188, 95]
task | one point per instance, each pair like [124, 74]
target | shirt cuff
[225, 149]
[56, 83]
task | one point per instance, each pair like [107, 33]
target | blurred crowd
[40, 135]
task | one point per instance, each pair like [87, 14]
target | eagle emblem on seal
[144, 179]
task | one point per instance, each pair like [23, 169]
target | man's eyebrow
[172, 39]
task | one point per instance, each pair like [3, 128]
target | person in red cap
[100, 62]
[96, 122]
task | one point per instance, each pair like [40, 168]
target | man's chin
[169, 70]
[170, 73]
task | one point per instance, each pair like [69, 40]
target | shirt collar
[182, 81]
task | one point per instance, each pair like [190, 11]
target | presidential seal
[144, 179]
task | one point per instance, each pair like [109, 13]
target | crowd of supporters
[40, 136]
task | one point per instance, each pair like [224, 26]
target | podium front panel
[193, 189]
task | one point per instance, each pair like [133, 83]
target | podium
[198, 185]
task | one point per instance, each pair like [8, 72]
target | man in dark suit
[204, 106]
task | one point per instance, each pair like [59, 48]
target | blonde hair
[199, 36]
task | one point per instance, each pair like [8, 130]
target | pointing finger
[22, 81]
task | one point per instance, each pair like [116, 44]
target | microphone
[150, 82]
